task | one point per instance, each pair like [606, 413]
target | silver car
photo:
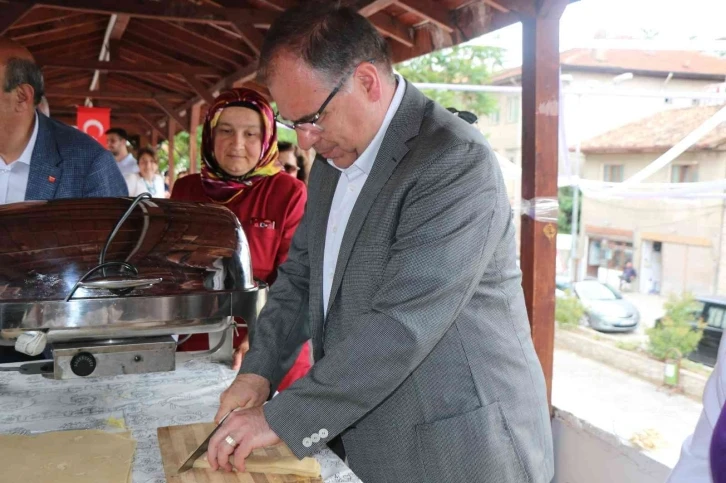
[606, 309]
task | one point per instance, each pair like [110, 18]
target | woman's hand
[239, 353]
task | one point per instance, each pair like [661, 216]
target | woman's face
[238, 140]
[288, 163]
[147, 166]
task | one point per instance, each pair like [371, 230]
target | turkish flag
[94, 121]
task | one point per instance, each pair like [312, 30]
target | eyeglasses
[309, 124]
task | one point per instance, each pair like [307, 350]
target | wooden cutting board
[178, 442]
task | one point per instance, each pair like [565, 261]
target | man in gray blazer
[403, 273]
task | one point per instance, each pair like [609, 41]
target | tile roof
[681, 63]
[660, 132]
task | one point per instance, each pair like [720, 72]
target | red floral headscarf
[220, 186]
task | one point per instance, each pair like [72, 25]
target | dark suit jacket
[67, 163]
[425, 362]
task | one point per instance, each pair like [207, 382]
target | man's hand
[246, 391]
[249, 429]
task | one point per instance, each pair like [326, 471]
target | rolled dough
[88, 456]
[276, 465]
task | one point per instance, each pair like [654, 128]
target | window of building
[715, 317]
[684, 173]
[613, 173]
[513, 104]
[494, 116]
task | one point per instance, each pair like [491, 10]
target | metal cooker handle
[118, 284]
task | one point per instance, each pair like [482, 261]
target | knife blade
[189, 463]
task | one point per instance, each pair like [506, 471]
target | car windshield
[595, 291]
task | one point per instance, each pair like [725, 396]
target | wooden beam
[430, 11]
[252, 37]
[472, 22]
[540, 110]
[111, 95]
[65, 36]
[122, 22]
[117, 32]
[546, 8]
[154, 128]
[497, 5]
[11, 13]
[193, 146]
[243, 74]
[423, 43]
[524, 7]
[181, 10]
[375, 6]
[390, 27]
[182, 38]
[151, 55]
[171, 112]
[210, 35]
[279, 5]
[170, 140]
[154, 138]
[41, 16]
[52, 27]
[200, 89]
[127, 67]
[120, 112]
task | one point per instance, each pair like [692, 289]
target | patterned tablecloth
[33, 404]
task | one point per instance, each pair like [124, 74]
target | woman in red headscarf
[239, 150]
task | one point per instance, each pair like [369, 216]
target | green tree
[181, 151]
[677, 330]
[565, 196]
[463, 64]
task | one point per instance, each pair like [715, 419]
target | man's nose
[306, 139]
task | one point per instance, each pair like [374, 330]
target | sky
[675, 21]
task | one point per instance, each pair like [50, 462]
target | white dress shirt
[694, 465]
[137, 185]
[14, 176]
[350, 183]
[128, 165]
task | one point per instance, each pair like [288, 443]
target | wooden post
[540, 108]
[154, 139]
[170, 140]
[193, 147]
[144, 141]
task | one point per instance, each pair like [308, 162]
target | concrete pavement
[623, 405]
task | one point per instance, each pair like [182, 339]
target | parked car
[712, 312]
[605, 308]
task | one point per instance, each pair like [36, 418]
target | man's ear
[24, 97]
[368, 77]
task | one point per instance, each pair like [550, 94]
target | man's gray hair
[24, 71]
[331, 40]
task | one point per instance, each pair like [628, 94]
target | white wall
[585, 454]
[595, 114]
[603, 113]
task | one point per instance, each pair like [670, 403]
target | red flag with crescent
[94, 121]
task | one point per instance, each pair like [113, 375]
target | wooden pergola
[158, 63]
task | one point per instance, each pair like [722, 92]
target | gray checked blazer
[425, 363]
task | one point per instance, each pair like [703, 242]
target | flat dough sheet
[88, 456]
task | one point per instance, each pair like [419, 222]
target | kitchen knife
[189, 463]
